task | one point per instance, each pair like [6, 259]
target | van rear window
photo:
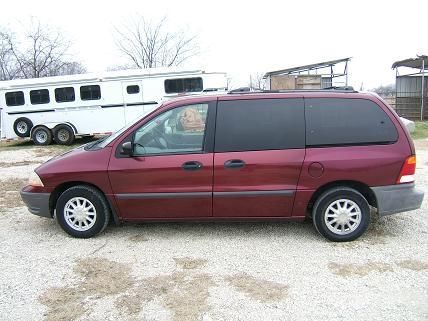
[336, 121]
[260, 124]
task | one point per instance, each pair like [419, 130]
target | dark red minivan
[331, 155]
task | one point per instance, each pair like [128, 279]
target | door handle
[234, 163]
[192, 166]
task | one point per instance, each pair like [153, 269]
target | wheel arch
[64, 186]
[38, 126]
[73, 128]
[362, 188]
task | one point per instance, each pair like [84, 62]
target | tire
[64, 135]
[72, 200]
[22, 127]
[341, 214]
[41, 135]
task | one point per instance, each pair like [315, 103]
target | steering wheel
[159, 139]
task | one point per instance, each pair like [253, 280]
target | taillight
[407, 174]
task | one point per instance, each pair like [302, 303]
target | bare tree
[257, 81]
[8, 68]
[66, 68]
[384, 91]
[119, 67]
[150, 44]
[41, 52]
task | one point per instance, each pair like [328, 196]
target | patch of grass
[100, 277]
[359, 270]
[258, 289]
[55, 149]
[421, 130]
[9, 193]
[414, 265]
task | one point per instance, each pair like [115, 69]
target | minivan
[334, 156]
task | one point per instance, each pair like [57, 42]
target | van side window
[15, 98]
[337, 121]
[64, 94]
[40, 96]
[179, 130]
[92, 92]
[260, 124]
[133, 89]
[183, 85]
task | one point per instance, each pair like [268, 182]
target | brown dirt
[9, 193]
[187, 263]
[23, 163]
[99, 277]
[414, 265]
[48, 152]
[259, 289]
[185, 294]
[137, 238]
[349, 270]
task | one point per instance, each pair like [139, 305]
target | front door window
[180, 130]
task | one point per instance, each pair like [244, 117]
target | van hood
[78, 164]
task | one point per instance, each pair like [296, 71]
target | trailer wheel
[22, 127]
[41, 135]
[64, 135]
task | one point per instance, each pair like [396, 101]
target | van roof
[320, 93]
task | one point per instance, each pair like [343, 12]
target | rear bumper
[37, 203]
[397, 198]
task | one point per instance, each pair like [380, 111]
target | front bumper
[397, 198]
[37, 203]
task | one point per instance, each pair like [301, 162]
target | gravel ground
[213, 271]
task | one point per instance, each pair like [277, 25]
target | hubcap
[22, 127]
[63, 135]
[342, 216]
[41, 136]
[80, 214]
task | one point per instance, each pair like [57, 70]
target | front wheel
[82, 211]
[341, 214]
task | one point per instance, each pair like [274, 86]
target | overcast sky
[241, 37]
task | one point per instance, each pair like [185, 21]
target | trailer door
[132, 92]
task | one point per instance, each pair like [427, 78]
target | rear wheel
[64, 135]
[82, 211]
[341, 214]
[22, 127]
[41, 135]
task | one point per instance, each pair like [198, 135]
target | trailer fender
[52, 125]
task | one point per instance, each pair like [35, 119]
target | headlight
[34, 180]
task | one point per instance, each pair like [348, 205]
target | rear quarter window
[337, 121]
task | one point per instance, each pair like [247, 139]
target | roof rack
[247, 90]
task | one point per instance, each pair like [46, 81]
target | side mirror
[127, 148]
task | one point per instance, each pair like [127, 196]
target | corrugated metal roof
[412, 62]
[318, 65]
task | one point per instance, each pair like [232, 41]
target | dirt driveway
[227, 271]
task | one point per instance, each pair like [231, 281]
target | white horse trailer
[64, 107]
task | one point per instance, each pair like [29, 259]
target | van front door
[170, 172]
[259, 151]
